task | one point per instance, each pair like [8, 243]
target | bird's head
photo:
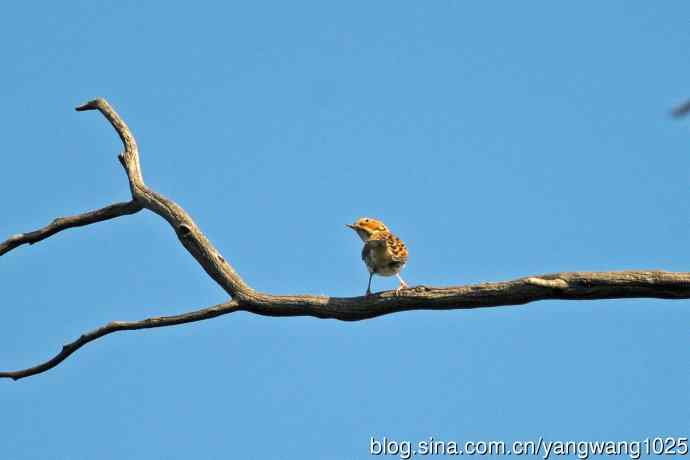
[366, 227]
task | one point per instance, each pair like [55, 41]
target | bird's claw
[401, 288]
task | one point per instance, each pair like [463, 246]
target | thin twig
[63, 223]
[115, 326]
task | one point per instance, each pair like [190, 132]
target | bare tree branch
[568, 286]
[563, 286]
[187, 231]
[63, 223]
[115, 326]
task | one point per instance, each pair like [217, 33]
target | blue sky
[497, 139]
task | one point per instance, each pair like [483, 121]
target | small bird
[383, 253]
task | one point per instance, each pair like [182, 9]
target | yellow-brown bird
[383, 253]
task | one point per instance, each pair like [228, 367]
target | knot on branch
[556, 283]
[15, 237]
[184, 230]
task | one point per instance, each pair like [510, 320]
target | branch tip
[94, 104]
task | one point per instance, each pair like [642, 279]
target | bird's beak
[351, 226]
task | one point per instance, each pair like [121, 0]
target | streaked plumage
[383, 253]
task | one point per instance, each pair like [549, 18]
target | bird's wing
[397, 248]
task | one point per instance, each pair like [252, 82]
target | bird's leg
[403, 284]
[369, 286]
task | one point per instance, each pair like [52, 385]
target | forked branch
[569, 286]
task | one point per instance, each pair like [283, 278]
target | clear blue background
[498, 140]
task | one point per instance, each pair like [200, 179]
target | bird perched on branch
[384, 254]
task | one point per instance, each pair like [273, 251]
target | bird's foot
[402, 286]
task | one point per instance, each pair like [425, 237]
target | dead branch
[63, 223]
[566, 286]
[115, 326]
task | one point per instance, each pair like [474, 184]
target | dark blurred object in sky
[681, 110]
